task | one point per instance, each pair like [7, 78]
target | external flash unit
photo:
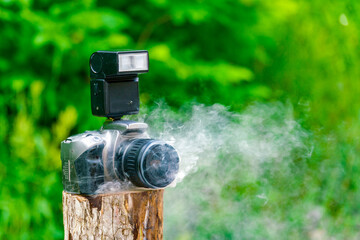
[114, 82]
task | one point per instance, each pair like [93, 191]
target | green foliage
[229, 52]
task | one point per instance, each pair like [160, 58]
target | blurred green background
[230, 52]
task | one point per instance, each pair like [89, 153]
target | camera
[121, 150]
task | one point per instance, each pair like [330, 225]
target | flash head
[114, 82]
[107, 64]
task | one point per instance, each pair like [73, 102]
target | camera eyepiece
[149, 163]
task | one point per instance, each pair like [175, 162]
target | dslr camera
[121, 150]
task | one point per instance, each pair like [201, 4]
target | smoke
[234, 169]
[114, 187]
[212, 136]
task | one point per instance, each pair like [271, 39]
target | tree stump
[124, 215]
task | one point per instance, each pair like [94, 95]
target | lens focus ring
[130, 161]
[150, 163]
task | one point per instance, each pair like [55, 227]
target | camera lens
[150, 163]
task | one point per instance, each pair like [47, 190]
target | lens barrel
[149, 163]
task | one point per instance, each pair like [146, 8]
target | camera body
[121, 150]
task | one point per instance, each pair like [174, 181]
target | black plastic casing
[113, 93]
[114, 99]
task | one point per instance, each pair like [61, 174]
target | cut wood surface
[124, 215]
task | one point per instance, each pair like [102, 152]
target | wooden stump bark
[124, 215]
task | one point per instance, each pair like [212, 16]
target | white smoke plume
[262, 134]
[230, 163]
